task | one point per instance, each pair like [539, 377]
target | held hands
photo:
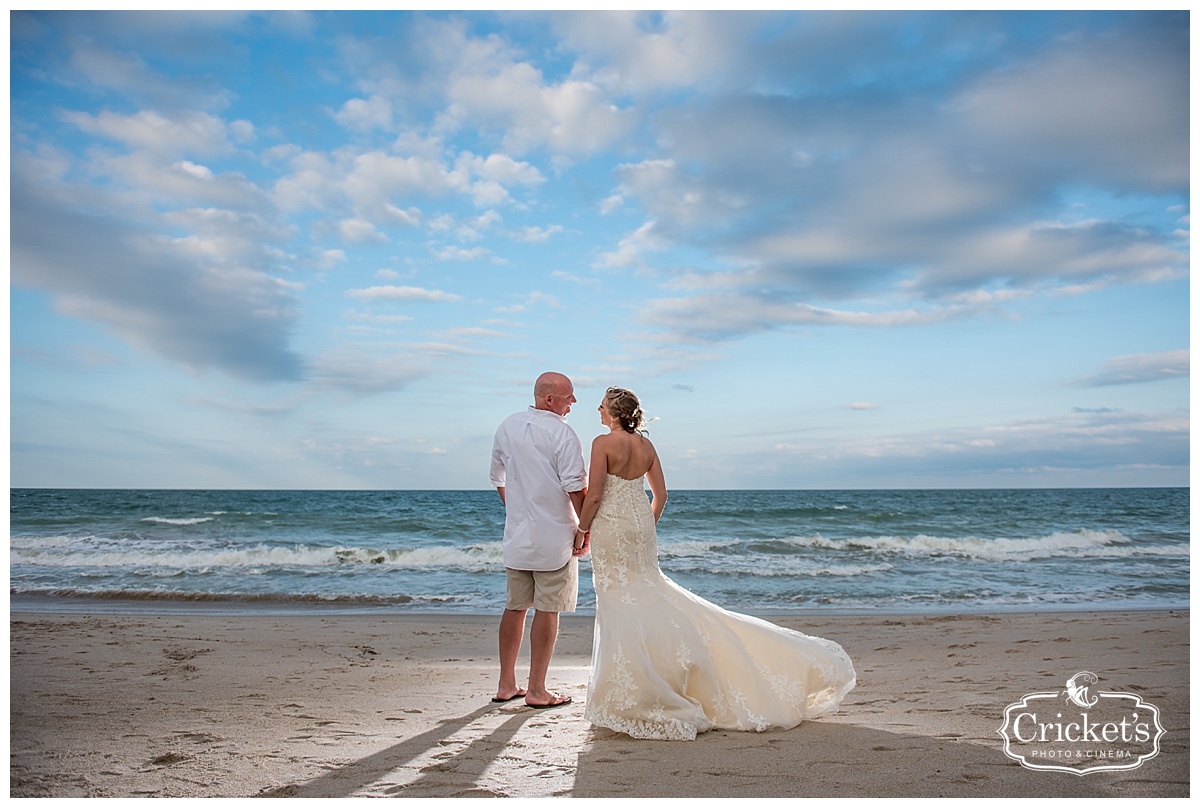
[583, 542]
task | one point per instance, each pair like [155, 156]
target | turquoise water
[755, 551]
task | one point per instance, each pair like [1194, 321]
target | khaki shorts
[546, 591]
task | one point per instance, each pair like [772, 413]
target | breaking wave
[1075, 544]
[474, 557]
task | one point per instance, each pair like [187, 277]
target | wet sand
[351, 704]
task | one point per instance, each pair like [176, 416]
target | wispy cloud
[455, 253]
[1141, 368]
[713, 317]
[475, 331]
[194, 301]
[403, 293]
[531, 300]
[361, 370]
[1022, 452]
[536, 235]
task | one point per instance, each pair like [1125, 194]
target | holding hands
[583, 542]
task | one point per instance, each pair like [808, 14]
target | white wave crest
[163, 520]
[685, 549]
[46, 542]
[775, 567]
[473, 556]
[484, 556]
[1076, 544]
[811, 570]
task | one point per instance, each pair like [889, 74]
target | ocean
[752, 551]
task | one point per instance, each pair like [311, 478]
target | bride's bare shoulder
[607, 445]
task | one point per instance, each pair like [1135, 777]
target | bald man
[539, 471]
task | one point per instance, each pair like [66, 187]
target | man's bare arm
[577, 498]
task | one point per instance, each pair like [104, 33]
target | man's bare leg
[512, 628]
[542, 637]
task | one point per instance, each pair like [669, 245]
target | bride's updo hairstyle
[623, 405]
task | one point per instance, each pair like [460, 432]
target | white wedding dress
[667, 664]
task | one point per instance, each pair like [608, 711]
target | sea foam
[1075, 544]
[261, 555]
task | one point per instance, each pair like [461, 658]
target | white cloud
[489, 192]
[442, 223]
[328, 259]
[358, 231]
[402, 293]
[410, 217]
[632, 247]
[474, 331]
[374, 179]
[365, 183]
[190, 300]
[905, 197]
[474, 228]
[558, 274]
[366, 369]
[156, 182]
[197, 171]
[129, 74]
[712, 317]
[611, 204]
[493, 90]
[243, 131]
[1111, 108]
[644, 51]
[310, 184]
[187, 133]
[453, 253]
[227, 237]
[530, 300]
[382, 319]
[373, 185]
[1139, 368]
[366, 114]
[282, 152]
[1020, 451]
[226, 403]
[535, 235]
[500, 168]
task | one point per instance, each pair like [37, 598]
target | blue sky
[855, 250]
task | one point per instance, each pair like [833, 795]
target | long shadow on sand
[447, 778]
[841, 760]
[815, 760]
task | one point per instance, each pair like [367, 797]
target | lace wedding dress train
[667, 664]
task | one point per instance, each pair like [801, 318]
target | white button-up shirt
[538, 459]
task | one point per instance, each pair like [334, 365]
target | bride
[667, 664]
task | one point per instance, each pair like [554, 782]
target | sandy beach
[351, 704]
